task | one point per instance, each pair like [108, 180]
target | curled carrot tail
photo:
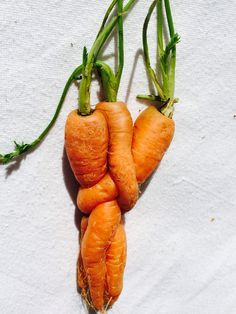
[101, 229]
[153, 133]
[120, 159]
[104, 191]
[86, 143]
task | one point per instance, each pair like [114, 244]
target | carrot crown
[110, 81]
[165, 84]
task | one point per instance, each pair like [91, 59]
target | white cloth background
[182, 234]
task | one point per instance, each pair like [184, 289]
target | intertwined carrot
[115, 264]
[120, 157]
[100, 231]
[88, 198]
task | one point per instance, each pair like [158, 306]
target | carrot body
[153, 133]
[115, 263]
[120, 159]
[88, 198]
[86, 143]
[81, 275]
[101, 229]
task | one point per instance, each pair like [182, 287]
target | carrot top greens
[84, 73]
[166, 59]
[110, 80]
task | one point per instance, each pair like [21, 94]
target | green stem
[169, 18]
[106, 16]
[160, 47]
[159, 29]
[113, 22]
[22, 148]
[121, 43]
[150, 71]
[172, 62]
[84, 94]
[166, 58]
[109, 81]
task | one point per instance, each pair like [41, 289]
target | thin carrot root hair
[85, 294]
[88, 301]
[108, 305]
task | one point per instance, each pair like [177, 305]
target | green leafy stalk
[113, 21]
[166, 57]
[109, 81]
[172, 62]
[121, 43]
[150, 70]
[169, 18]
[160, 47]
[84, 93]
[106, 16]
[22, 148]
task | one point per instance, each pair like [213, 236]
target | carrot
[154, 127]
[115, 263]
[88, 198]
[86, 143]
[102, 226]
[120, 159]
[81, 275]
[153, 133]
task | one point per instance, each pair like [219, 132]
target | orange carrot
[153, 133]
[81, 275]
[120, 159]
[101, 229]
[88, 198]
[115, 263]
[86, 142]
[153, 129]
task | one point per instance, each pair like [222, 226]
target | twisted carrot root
[102, 257]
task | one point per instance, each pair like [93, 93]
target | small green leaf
[85, 56]
[19, 149]
[172, 43]
[169, 47]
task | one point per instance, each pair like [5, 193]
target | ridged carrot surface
[120, 159]
[101, 229]
[153, 133]
[88, 198]
[86, 143]
[115, 263]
